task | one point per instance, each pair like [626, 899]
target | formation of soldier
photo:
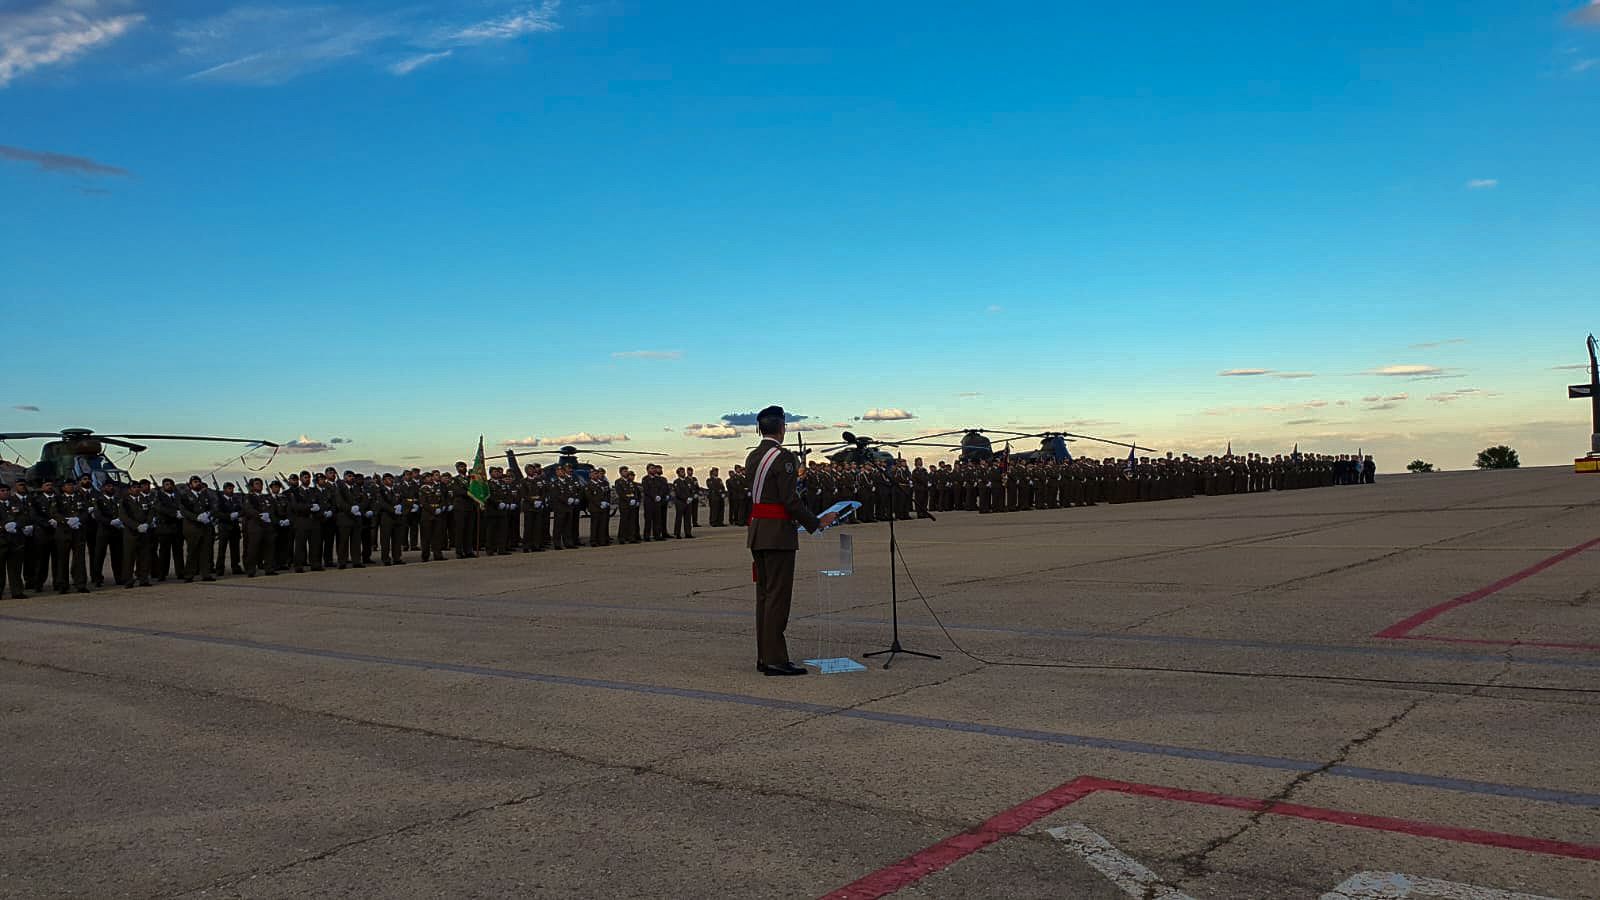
[68, 533]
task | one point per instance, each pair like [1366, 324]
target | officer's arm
[790, 498]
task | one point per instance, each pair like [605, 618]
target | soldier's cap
[348, 473]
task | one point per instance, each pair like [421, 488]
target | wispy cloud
[578, 439]
[1429, 345]
[969, 394]
[648, 354]
[1405, 371]
[1304, 421]
[340, 440]
[26, 407]
[713, 431]
[1584, 65]
[509, 26]
[1588, 15]
[886, 414]
[267, 45]
[1482, 184]
[56, 32]
[47, 161]
[994, 309]
[1583, 366]
[1380, 407]
[412, 63]
[1237, 373]
[1293, 374]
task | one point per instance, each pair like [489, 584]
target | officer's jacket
[773, 482]
[192, 503]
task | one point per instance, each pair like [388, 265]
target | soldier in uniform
[598, 497]
[71, 512]
[16, 521]
[627, 507]
[305, 514]
[198, 508]
[330, 522]
[651, 497]
[716, 497]
[392, 523]
[682, 500]
[347, 500]
[532, 488]
[434, 520]
[564, 499]
[259, 530]
[738, 496]
[169, 532]
[41, 542]
[138, 537]
[282, 526]
[496, 511]
[466, 513]
[921, 485]
[107, 537]
[772, 541]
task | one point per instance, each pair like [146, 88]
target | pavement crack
[1194, 863]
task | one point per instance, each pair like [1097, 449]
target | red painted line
[925, 862]
[1404, 627]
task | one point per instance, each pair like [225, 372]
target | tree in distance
[1498, 457]
[1417, 465]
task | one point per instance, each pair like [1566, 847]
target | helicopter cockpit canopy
[99, 469]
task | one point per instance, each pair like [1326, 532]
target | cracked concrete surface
[137, 764]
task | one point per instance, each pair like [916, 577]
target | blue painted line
[1174, 640]
[1144, 748]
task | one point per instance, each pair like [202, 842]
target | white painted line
[1396, 886]
[1121, 870]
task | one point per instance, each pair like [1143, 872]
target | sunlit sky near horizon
[379, 230]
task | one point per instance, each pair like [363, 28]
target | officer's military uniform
[598, 498]
[627, 492]
[169, 535]
[682, 514]
[434, 519]
[716, 498]
[260, 534]
[15, 521]
[107, 537]
[771, 537]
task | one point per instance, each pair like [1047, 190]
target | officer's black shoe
[25, 596]
[787, 668]
[238, 570]
[98, 582]
[360, 565]
[189, 580]
[399, 562]
[128, 586]
[61, 590]
[145, 583]
[208, 578]
[316, 568]
[272, 571]
[342, 567]
[83, 590]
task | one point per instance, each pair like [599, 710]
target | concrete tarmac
[1247, 696]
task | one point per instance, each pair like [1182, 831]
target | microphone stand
[894, 597]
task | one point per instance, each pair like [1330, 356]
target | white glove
[633, 503]
[11, 528]
[116, 523]
[327, 514]
[501, 506]
[73, 522]
[513, 506]
[267, 518]
[449, 507]
[283, 523]
[368, 513]
[355, 510]
[605, 504]
[399, 508]
[233, 516]
[316, 507]
[142, 529]
[204, 518]
[538, 504]
[415, 508]
[52, 523]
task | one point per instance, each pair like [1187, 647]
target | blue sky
[405, 225]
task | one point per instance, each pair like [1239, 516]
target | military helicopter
[76, 452]
[568, 456]
[977, 447]
[865, 450]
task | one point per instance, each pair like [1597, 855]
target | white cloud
[648, 354]
[994, 308]
[1405, 370]
[1293, 374]
[303, 444]
[412, 63]
[1481, 184]
[1429, 345]
[714, 431]
[886, 414]
[1584, 65]
[1234, 373]
[580, 438]
[54, 32]
[1397, 397]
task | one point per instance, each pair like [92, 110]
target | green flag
[478, 488]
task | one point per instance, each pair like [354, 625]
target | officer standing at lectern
[774, 511]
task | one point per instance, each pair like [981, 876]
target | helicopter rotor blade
[137, 448]
[629, 452]
[1088, 437]
[190, 437]
[24, 435]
